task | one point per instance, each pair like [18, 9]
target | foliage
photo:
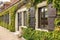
[11, 27]
[11, 11]
[33, 3]
[12, 24]
[30, 34]
[37, 1]
[56, 4]
[5, 25]
[49, 1]
[13, 8]
[57, 20]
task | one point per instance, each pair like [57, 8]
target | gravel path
[7, 35]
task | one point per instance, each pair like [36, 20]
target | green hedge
[30, 34]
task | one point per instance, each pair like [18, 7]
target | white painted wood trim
[22, 26]
[42, 29]
[16, 18]
[36, 16]
[22, 19]
[22, 9]
[16, 22]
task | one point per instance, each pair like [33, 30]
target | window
[22, 15]
[42, 17]
[1, 18]
[32, 22]
[5, 18]
[25, 18]
[20, 19]
[32, 17]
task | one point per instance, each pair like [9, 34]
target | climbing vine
[57, 4]
[49, 1]
[33, 3]
[12, 11]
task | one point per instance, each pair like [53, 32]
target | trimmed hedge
[30, 34]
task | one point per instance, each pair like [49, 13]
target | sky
[5, 0]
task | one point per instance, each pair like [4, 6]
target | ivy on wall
[12, 11]
[38, 1]
[33, 3]
[49, 1]
[12, 22]
[57, 4]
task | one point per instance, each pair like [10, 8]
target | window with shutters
[42, 17]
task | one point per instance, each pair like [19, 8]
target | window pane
[19, 19]
[25, 18]
[5, 18]
[32, 22]
[1, 18]
[42, 17]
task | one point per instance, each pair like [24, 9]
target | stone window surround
[16, 18]
[36, 16]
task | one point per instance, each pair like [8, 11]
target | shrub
[30, 34]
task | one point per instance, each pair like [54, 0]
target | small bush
[30, 34]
